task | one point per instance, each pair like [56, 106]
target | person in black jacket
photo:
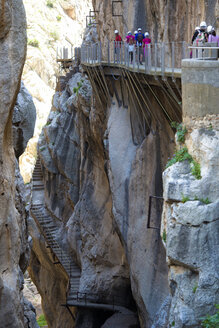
[195, 33]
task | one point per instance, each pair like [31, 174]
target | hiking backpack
[140, 38]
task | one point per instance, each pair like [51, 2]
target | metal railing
[158, 58]
[68, 53]
[153, 58]
[207, 51]
[102, 298]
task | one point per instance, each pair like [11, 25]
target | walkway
[159, 59]
[45, 222]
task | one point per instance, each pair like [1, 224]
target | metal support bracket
[91, 16]
[113, 8]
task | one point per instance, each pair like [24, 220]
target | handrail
[101, 298]
[155, 59]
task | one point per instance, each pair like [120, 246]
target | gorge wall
[166, 21]
[101, 161]
[15, 311]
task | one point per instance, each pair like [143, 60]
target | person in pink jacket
[146, 42]
[213, 37]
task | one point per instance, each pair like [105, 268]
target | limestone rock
[119, 320]
[6, 18]
[192, 230]
[24, 118]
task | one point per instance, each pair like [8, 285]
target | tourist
[131, 47]
[213, 37]
[201, 37]
[139, 42]
[195, 33]
[129, 35]
[146, 42]
[118, 43]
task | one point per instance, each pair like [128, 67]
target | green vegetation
[205, 200]
[211, 321]
[182, 155]
[58, 18]
[185, 199]
[180, 131]
[33, 43]
[54, 35]
[195, 288]
[196, 170]
[79, 85]
[173, 324]
[210, 127]
[49, 3]
[41, 321]
[164, 235]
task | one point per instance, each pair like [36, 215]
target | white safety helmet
[129, 33]
[209, 28]
[136, 32]
[146, 34]
[116, 31]
[197, 28]
[203, 24]
[139, 29]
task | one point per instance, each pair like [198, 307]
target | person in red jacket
[118, 43]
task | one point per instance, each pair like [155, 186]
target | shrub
[33, 43]
[195, 288]
[49, 3]
[164, 236]
[54, 35]
[182, 155]
[180, 131]
[211, 321]
[205, 200]
[79, 85]
[185, 199]
[42, 321]
[58, 18]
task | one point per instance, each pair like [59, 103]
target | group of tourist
[139, 39]
[204, 33]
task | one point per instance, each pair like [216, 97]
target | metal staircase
[45, 222]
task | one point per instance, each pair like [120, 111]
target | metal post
[163, 59]
[155, 57]
[134, 57]
[100, 59]
[173, 58]
[108, 52]
[149, 58]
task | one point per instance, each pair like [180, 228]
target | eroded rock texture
[192, 229]
[24, 118]
[13, 228]
[99, 169]
[166, 21]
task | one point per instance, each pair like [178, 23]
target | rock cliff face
[99, 199]
[166, 21]
[49, 25]
[15, 311]
[101, 163]
[24, 118]
[190, 217]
